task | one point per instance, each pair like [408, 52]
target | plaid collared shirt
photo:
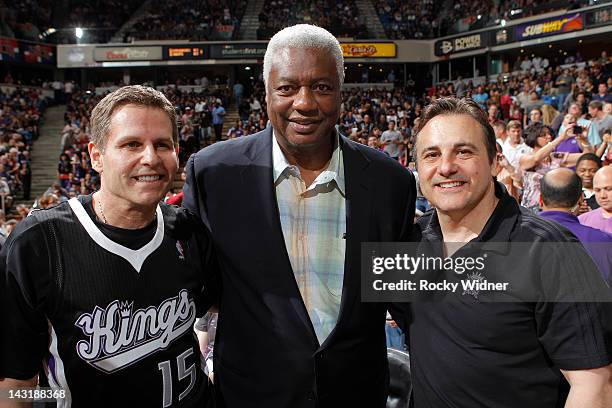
[313, 219]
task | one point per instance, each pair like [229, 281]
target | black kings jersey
[113, 325]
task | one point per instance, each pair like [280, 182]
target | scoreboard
[185, 52]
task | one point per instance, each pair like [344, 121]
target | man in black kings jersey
[104, 289]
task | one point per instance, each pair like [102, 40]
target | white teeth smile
[449, 185]
[148, 178]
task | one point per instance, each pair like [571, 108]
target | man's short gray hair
[303, 36]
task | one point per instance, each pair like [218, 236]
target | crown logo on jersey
[179, 248]
[125, 308]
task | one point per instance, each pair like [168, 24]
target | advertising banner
[550, 26]
[37, 53]
[460, 44]
[104, 54]
[73, 56]
[9, 50]
[12, 50]
[242, 51]
[369, 50]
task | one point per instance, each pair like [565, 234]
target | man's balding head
[602, 186]
[560, 189]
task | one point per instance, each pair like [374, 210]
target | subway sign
[460, 44]
[551, 26]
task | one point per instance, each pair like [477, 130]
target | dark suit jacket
[266, 351]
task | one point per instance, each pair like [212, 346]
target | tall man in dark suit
[289, 208]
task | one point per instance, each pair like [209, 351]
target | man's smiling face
[303, 97]
[455, 171]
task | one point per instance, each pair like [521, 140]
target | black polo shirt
[469, 353]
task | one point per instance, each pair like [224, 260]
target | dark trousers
[218, 130]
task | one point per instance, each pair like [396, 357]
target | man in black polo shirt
[474, 353]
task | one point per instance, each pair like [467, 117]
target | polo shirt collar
[498, 228]
[333, 172]
[560, 216]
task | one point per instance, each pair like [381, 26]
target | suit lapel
[257, 180]
[358, 202]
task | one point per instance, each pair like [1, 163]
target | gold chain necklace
[101, 211]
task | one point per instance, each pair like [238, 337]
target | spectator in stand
[576, 109]
[564, 85]
[494, 114]
[526, 64]
[237, 129]
[535, 116]
[25, 176]
[64, 171]
[548, 115]
[602, 93]
[561, 196]
[373, 143]
[514, 147]
[534, 102]
[524, 96]
[509, 176]
[599, 119]
[348, 124]
[47, 201]
[218, 113]
[391, 139]
[481, 96]
[586, 167]
[516, 112]
[605, 149]
[539, 161]
[601, 218]
[238, 92]
[364, 129]
[574, 136]
[499, 127]
[255, 105]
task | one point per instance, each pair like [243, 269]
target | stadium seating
[421, 19]
[189, 20]
[30, 20]
[341, 18]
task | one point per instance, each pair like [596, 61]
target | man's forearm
[10, 383]
[590, 388]
[589, 397]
